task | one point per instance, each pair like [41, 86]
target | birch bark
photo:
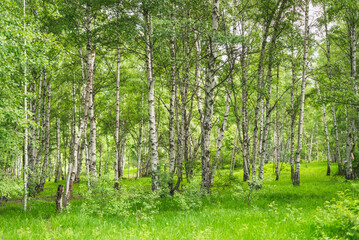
[209, 99]
[296, 181]
[325, 130]
[151, 102]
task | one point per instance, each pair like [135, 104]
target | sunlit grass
[280, 211]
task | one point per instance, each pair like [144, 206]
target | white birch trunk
[151, 103]
[209, 99]
[47, 135]
[90, 58]
[296, 181]
[25, 110]
[118, 99]
[325, 130]
[337, 144]
[172, 149]
[139, 153]
[220, 137]
[92, 145]
[58, 155]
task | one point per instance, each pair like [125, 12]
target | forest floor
[277, 211]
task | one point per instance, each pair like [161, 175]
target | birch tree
[296, 181]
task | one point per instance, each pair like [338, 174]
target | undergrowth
[233, 210]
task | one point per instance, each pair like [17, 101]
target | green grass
[280, 211]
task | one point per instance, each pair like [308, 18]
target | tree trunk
[267, 109]
[139, 153]
[87, 157]
[184, 126]
[58, 165]
[310, 149]
[172, 149]
[259, 95]
[90, 58]
[151, 103]
[198, 77]
[100, 162]
[31, 130]
[41, 132]
[47, 136]
[245, 124]
[206, 125]
[350, 144]
[220, 137]
[302, 98]
[26, 130]
[92, 144]
[325, 130]
[118, 99]
[277, 141]
[337, 144]
[80, 156]
[60, 190]
[349, 158]
[123, 156]
[328, 54]
[234, 153]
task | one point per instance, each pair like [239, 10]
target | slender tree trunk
[209, 99]
[310, 149]
[32, 140]
[47, 136]
[38, 120]
[234, 153]
[267, 108]
[92, 144]
[87, 157]
[277, 154]
[337, 145]
[198, 76]
[328, 54]
[259, 95]
[184, 125]
[325, 130]
[90, 58]
[139, 154]
[292, 111]
[123, 156]
[65, 140]
[302, 98]
[245, 124]
[41, 132]
[58, 165]
[220, 137]
[349, 158]
[172, 148]
[25, 110]
[348, 166]
[100, 162]
[118, 99]
[353, 56]
[151, 103]
[80, 159]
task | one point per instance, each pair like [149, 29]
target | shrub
[339, 218]
[9, 187]
[247, 194]
[104, 200]
[191, 197]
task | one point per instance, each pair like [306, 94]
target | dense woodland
[175, 94]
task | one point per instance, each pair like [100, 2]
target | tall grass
[279, 211]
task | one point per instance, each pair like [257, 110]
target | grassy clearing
[279, 211]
